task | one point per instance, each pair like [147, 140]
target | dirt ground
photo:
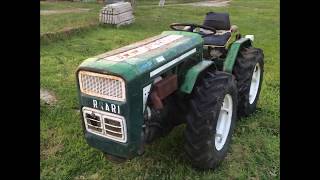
[49, 12]
[47, 96]
[216, 3]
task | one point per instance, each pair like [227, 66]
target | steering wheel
[191, 27]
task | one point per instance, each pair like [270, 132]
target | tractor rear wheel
[211, 119]
[248, 70]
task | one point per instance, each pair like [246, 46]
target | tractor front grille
[105, 124]
[101, 85]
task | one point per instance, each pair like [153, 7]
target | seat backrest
[219, 21]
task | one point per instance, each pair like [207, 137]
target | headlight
[101, 85]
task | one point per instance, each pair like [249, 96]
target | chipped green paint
[192, 75]
[233, 53]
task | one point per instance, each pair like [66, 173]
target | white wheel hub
[224, 122]
[255, 81]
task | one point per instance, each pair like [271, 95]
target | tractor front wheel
[211, 119]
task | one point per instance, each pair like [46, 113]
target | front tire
[211, 119]
[248, 70]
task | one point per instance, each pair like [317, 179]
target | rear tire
[203, 119]
[247, 65]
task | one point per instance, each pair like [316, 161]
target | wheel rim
[224, 122]
[255, 81]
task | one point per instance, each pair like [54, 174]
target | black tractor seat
[221, 22]
[217, 39]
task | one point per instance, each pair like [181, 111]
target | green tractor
[193, 74]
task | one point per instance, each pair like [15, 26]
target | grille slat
[101, 85]
[94, 123]
[95, 128]
[105, 124]
[113, 125]
[93, 119]
[113, 132]
[110, 122]
[115, 129]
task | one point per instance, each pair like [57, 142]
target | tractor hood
[138, 65]
[144, 56]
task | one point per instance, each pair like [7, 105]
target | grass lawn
[63, 21]
[254, 152]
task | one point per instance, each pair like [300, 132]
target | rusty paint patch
[163, 89]
[166, 86]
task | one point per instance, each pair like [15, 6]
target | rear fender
[233, 53]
